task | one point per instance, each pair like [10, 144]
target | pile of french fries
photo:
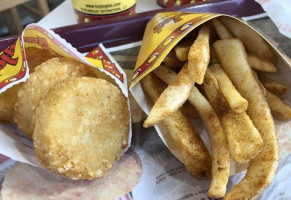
[221, 72]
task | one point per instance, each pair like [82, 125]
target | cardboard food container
[162, 33]
[15, 70]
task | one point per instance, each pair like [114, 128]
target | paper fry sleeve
[14, 69]
[162, 33]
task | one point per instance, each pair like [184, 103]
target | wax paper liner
[279, 12]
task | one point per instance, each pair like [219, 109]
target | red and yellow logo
[12, 60]
[12, 66]
[98, 58]
[163, 32]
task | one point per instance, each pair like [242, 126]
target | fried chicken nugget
[37, 86]
[81, 127]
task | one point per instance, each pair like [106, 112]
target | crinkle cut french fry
[260, 64]
[262, 168]
[273, 86]
[243, 138]
[220, 29]
[252, 41]
[220, 153]
[199, 55]
[171, 61]
[172, 98]
[278, 107]
[236, 102]
[194, 152]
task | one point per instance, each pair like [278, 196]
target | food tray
[124, 30]
[127, 29]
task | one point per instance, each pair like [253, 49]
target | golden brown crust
[278, 107]
[8, 98]
[35, 57]
[195, 155]
[243, 138]
[199, 55]
[81, 127]
[219, 148]
[171, 61]
[169, 101]
[253, 42]
[273, 86]
[182, 49]
[262, 168]
[37, 86]
[7, 102]
[187, 140]
[189, 110]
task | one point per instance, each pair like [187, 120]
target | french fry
[278, 107]
[236, 102]
[221, 30]
[243, 138]
[171, 61]
[262, 168]
[253, 42]
[220, 152]
[213, 56]
[263, 89]
[182, 50]
[170, 76]
[273, 86]
[194, 152]
[254, 61]
[166, 74]
[199, 55]
[172, 98]
[260, 64]
[189, 110]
